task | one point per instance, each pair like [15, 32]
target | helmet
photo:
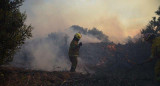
[149, 36]
[78, 35]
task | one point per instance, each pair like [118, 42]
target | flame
[111, 47]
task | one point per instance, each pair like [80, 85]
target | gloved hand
[80, 44]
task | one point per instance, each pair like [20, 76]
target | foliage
[94, 32]
[154, 25]
[13, 30]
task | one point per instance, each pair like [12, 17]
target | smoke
[51, 53]
[41, 54]
[117, 19]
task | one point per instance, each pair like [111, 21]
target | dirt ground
[11, 76]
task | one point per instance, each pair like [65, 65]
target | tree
[154, 25]
[13, 30]
[94, 32]
[98, 34]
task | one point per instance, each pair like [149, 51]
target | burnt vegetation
[106, 63]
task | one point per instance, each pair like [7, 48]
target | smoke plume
[51, 53]
[118, 19]
[48, 48]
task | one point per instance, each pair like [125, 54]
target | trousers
[157, 70]
[74, 61]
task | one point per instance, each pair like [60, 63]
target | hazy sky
[116, 18]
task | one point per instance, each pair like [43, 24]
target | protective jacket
[155, 51]
[74, 48]
[156, 47]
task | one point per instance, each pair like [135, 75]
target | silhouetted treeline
[154, 25]
[94, 32]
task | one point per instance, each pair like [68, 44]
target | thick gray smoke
[51, 53]
[42, 54]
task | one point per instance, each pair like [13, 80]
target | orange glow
[111, 47]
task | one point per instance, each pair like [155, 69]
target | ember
[111, 47]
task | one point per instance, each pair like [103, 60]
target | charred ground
[113, 65]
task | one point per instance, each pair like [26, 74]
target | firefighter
[155, 52]
[74, 51]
